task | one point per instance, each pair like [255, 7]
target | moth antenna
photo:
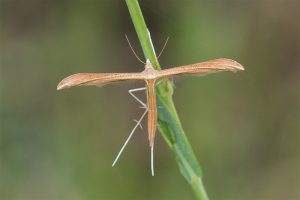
[129, 137]
[152, 159]
[162, 50]
[133, 50]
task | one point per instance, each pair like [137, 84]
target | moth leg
[129, 137]
[132, 91]
[139, 124]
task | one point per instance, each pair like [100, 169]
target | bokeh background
[244, 127]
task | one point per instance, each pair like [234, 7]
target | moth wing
[96, 79]
[203, 68]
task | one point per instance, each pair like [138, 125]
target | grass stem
[168, 122]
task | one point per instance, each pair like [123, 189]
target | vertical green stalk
[168, 122]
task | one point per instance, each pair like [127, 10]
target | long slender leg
[129, 137]
[136, 98]
[144, 106]
[138, 122]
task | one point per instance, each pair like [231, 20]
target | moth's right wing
[96, 79]
[202, 68]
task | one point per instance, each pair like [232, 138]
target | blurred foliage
[244, 127]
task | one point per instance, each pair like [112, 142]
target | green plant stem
[168, 122]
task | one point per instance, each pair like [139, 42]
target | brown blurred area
[244, 127]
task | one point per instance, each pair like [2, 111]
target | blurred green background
[244, 127]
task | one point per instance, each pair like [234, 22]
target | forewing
[203, 68]
[96, 79]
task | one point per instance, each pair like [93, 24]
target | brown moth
[151, 76]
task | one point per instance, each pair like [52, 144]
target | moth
[151, 77]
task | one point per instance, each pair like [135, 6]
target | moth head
[148, 64]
